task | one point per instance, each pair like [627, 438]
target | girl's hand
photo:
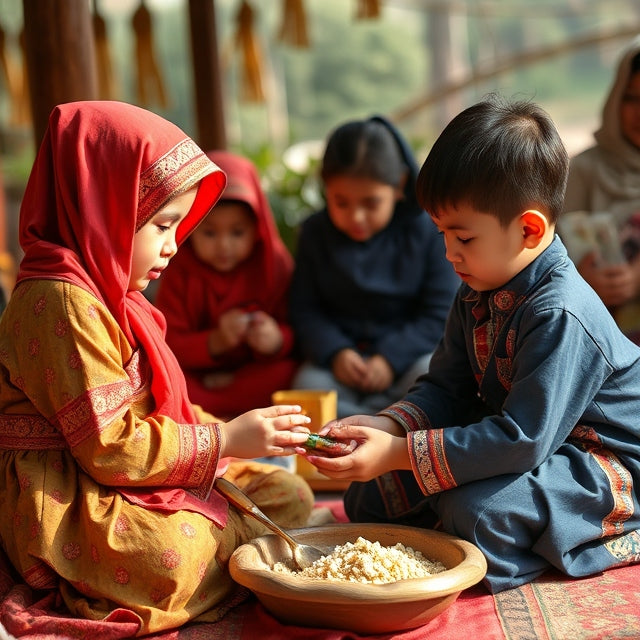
[378, 452]
[273, 431]
[230, 332]
[263, 334]
[233, 326]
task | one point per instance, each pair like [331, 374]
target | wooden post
[209, 104]
[60, 56]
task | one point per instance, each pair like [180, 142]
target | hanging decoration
[367, 9]
[24, 101]
[106, 83]
[149, 82]
[15, 81]
[293, 29]
[247, 41]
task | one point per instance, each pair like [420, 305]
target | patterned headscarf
[103, 169]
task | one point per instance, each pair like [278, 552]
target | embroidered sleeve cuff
[199, 453]
[428, 461]
[411, 417]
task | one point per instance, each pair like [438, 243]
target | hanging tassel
[368, 9]
[148, 71]
[106, 84]
[22, 111]
[293, 29]
[7, 274]
[13, 80]
[246, 40]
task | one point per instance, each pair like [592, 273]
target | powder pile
[368, 562]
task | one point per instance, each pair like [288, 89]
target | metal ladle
[304, 555]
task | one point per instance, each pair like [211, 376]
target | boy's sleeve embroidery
[408, 415]
[428, 461]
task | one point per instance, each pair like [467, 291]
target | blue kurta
[525, 433]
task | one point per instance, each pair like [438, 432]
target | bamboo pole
[209, 103]
[60, 56]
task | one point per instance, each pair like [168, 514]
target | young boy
[524, 437]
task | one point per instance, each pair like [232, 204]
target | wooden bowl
[362, 608]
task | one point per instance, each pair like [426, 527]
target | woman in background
[606, 178]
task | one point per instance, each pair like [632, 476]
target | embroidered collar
[501, 301]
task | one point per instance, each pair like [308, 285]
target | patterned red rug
[602, 607]
[555, 608]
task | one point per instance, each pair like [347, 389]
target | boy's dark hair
[363, 149]
[501, 158]
[635, 64]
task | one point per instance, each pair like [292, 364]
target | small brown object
[329, 447]
[252, 57]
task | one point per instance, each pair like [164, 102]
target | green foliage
[293, 194]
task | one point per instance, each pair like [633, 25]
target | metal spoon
[304, 555]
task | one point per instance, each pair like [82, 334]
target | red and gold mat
[601, 607]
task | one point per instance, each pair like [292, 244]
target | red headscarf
[258, 283]
[102, 170]
[243, 184]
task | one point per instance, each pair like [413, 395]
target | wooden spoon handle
[245, 504]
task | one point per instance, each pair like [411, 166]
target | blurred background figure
[604, 184]
[371, 288]
[224, 296]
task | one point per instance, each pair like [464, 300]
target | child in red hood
[224, 296]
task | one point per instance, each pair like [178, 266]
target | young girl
[371, 288]
[106, 470]
[225, 299]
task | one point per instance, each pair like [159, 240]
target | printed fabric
[106, 468]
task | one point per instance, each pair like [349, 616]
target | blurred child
[524, 437]
[371, 288]
[107, 471]
[224, 296]
[605, 178]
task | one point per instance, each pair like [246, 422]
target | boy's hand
[378, 452]
[382, 423]
[271, 431]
